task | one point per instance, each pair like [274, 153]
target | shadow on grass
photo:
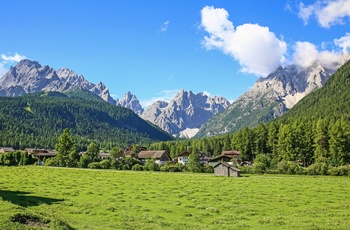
[24, 199]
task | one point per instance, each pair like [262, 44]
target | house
[160, 156]
[6, 150]
[225, 169]
[183, 158]
[103, 155]
[226, 156]
[40, 153]
[130, 153]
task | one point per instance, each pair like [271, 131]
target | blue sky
[155, 48]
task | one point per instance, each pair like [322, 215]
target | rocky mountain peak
[130, 101]
[186, 112]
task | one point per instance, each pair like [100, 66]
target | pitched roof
[228, 166]
[184, 154]
[151, 154]
[234, 152]
[7, 149]
[220, 157]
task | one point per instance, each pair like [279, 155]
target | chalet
[225, 169]
[6, 150]
[103, 155]
[183, 158]
[39, 154]
[226, 156]
[160, 156]
[130, 153]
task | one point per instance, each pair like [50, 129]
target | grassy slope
[90, 199]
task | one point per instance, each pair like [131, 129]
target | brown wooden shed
[225, 169]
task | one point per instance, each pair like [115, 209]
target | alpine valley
[188, 114]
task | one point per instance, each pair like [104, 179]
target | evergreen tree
[193, 164]
[66, 150]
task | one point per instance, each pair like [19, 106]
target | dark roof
[234, 152]
[151, 154]
[184, 154]
[214, 159]
[228, 166]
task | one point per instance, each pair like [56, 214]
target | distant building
[160, 156]
[183, 158]
[226, 156]
[225, 169]
[40, 154]
[6, 150]
[103, 155]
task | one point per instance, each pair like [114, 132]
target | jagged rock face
[29, 76]
[186, 111]
[130, 101]
[269, 98]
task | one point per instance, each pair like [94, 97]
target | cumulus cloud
[164, 27]
[15, 58]
[9, 59]
[343, 42]
[327, 12]
[165, 95]
[306, 53]
[255, 47]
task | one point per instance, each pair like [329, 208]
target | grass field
[59, 198]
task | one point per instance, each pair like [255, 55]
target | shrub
[105, 164]
[207, 168]
[317, 169]
[289, 167]
[137, 167]
[259, 168]
[52, 162]
[340, 170]
[94, 165]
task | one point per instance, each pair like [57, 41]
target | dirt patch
[30, 220]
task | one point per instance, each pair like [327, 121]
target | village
[223, 165]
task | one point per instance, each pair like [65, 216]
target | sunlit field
[60, 198]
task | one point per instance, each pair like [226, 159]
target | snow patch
[188, 133]
[291, 100]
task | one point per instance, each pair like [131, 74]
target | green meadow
[60, 198]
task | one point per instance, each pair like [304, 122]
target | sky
[155, 48]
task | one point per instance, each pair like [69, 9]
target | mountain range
[181, 117]
[188, 114]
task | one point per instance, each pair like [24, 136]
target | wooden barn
[225, 169]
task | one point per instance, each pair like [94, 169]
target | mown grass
[96, 199]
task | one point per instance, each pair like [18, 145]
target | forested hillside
[36, 120]
[315, 133]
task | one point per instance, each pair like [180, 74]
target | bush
[317, 169]
[151, 165]
[340, 170]
[105, 164]
[289, 167]
[259, 168]
[94, 165]
[53, 161]
[207, 168]
[137, 167]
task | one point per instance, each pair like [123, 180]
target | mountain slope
[269, 98]
[185, 113]
[331, 101]
[29, 77]
[36, 120]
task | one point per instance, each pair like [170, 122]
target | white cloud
[256, 48]
[327, 12]
[164, 27]
[165, 95]
[343, 42]
[9, 59]
[15, 58]
[306, 54]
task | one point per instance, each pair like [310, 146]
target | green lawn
[60, 198]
